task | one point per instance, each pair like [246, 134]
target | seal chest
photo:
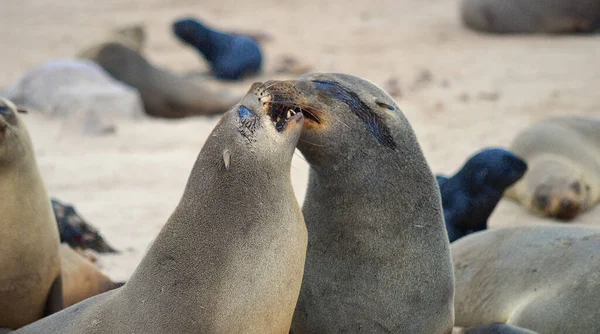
[30, 264]
[231, 256]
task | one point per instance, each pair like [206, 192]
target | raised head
[494, 168]
[340, 110]
[14, 139]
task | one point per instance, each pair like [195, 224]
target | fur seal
[231, 57]
[30, 280]
[378, 256]
[531, 16]
[543, 278]
[76, 232]
[470, 196]
[231, 256]
[81, 279]
[563, 155]
[164, 94]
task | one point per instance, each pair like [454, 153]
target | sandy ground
[462, 91]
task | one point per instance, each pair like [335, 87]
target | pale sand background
[481, 91]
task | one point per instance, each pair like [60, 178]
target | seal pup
[81, 279]
[470, 196]
[74, 230]
[544, 278]
[531, 16]
[231, 256]
[378, 256]
[231, 57]
[563, 155]
[30, 280]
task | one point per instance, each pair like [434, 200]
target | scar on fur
[227, 159]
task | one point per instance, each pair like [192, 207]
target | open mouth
[281, 113]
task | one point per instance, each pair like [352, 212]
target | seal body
[563, 155]
[470, 196]
[531, 16]
[231, 256]
[30, 282]
[164, 94]
[81, 279]
[378, 256]
[542, 278]
[231, 56]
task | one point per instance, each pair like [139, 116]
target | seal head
[559, 191]
[470, 196]
[231, 56]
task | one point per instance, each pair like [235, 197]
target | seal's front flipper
[54, 302]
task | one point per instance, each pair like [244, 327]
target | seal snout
[278, 101]
[568, 209]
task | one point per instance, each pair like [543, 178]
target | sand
[461, 91]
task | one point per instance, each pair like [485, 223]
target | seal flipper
[55, 302]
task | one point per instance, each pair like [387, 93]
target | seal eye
[385, 105]
[576, 187]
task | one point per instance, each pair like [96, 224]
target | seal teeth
[289, 114]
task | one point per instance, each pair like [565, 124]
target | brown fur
[231, 256]
[29, 241]
[563, 155]
[81, 278]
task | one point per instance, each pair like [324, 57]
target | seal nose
[568, 209]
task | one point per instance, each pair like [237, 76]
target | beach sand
[462, 91]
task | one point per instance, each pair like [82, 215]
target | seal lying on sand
[164, 94]
[531, 16]
[543, 278]
[30, 271]
[470, 196]
[231, 57]
[81, 279]
[563, 155]
[378, 258]
[230, 257]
